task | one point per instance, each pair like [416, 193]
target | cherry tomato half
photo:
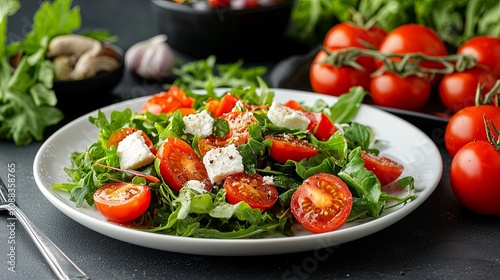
[320, 124]
[486, 49]
[474, 177]
[467, 125]
[285, 147]
[225, 105]
[328, 79]
[408, 93]
[120, 134]
[122, 202]
[250, 189]
[179, 164]
[238, 128]
[322, 203]
[386, 169]
[458, 90]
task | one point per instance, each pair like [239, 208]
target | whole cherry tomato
[349, 35]
[328, 79]
[345, 35]
[467, 125]
[408, 93]
[414, 38]
[486, 49]
[458, 90]
[474, 177]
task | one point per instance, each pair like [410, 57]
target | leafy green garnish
[50, 20]
[207, 74]
[27, 101]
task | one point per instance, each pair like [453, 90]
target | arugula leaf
[365, 184]
[206, 74]
[347, 105]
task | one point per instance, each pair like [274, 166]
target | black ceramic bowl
[81, 96]
[252, 34]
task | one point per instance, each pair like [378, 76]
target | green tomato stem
[401, 64]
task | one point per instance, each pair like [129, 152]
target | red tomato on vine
[332, 80]
[344, 35]
[407, 93]
[486, 49]
[458, 90]
[414, 38]
[474, 174]
[467, 125]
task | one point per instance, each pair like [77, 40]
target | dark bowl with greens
[250, 33]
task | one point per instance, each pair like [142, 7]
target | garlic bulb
[150, 59]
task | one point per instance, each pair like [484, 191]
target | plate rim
[242, 247]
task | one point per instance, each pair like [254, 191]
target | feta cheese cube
[201, 123]
[133, 151]
[221, 162]
[281, 115]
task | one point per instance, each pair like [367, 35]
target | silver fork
[62, 266]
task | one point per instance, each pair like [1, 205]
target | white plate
[402, 141]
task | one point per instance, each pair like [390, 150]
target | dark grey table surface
[439, 240]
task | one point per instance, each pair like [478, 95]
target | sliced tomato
[322, 203]
[238, 128]
[179, 164]
[225, 105]
[122, 202]
[289, 147]
[168, 101]
[250, 189]
[386, 169]
[206, 144]
[320, 124]
[120, 134]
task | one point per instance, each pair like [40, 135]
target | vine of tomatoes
[405, 67]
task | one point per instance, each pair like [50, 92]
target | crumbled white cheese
[201, 123]
[281, 115]
[238, 107]
[133, 151]
[268, 180]
[221, 162]
[196, 186]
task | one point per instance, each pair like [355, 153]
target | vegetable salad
[236, 165]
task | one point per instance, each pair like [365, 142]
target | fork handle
[62, 266]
